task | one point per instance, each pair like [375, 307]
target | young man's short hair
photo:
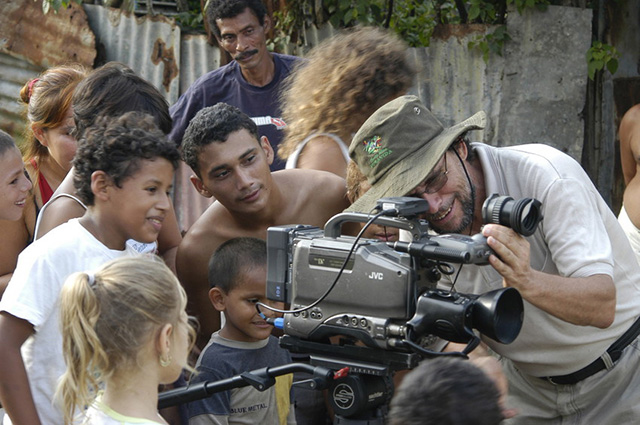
[223, 9]
[234, 257]
[446, 391]
[116, 145]
[213, 124]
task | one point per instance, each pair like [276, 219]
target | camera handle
[416, 227]
[350, 386]
[261, 379]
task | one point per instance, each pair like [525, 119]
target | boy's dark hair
[117, 145]
[213, 124]
[234, 257]
[6, 142]
[222, 9]
[114, 89]
[446, 391]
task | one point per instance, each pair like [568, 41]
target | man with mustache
[576, 359]
[250, 82]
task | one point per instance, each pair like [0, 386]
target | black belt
[607, 360]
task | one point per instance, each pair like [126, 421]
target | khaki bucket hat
[399, 145]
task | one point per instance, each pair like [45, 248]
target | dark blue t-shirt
[226, 84]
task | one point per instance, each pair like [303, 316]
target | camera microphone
[432, 251]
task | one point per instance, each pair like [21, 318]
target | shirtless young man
[629, 217]
[231, 164]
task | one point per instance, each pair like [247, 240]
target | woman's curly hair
[344, 80]
[117, 145]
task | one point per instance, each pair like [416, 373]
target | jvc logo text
[376, 276]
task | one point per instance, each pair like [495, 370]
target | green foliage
[481, 10]
[191, 20]
[56, 5]
[521, 5]
[346, 13]
[414, 22]
[491, 43]
[601, 55]
[287, 23]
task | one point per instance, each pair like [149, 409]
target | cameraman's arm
[586, 301]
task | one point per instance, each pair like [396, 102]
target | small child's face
[138, 208]
[243, 323]
[14, 185]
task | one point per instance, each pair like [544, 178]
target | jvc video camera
[384, 293]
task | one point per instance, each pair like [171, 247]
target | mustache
[244, 55]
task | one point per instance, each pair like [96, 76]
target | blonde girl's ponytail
[82, 349]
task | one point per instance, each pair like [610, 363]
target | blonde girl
[125, 331]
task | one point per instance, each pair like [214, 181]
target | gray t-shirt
[223, 358]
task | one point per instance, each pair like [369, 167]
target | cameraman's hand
[583, 301]
[513, 253]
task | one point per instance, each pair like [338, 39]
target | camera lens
[522, 215]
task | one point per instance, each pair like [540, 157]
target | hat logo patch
[372, 145]
[417, 110]
[377, 153]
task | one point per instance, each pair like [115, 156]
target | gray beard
[467, 209]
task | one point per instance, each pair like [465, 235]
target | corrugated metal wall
[30, 42]
[149, 45]
[534, 93]
[14, 72]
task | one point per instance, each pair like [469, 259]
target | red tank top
[45, 190]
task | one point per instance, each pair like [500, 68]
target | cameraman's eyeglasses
[434, 183]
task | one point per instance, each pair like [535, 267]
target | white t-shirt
[578, 237]
[141, 247]
[32, 295]
[100, 414]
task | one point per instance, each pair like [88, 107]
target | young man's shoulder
[213, 227]
[307, 176]
[210, 230]
[311, 184]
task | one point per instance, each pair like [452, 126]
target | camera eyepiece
[522, 215]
